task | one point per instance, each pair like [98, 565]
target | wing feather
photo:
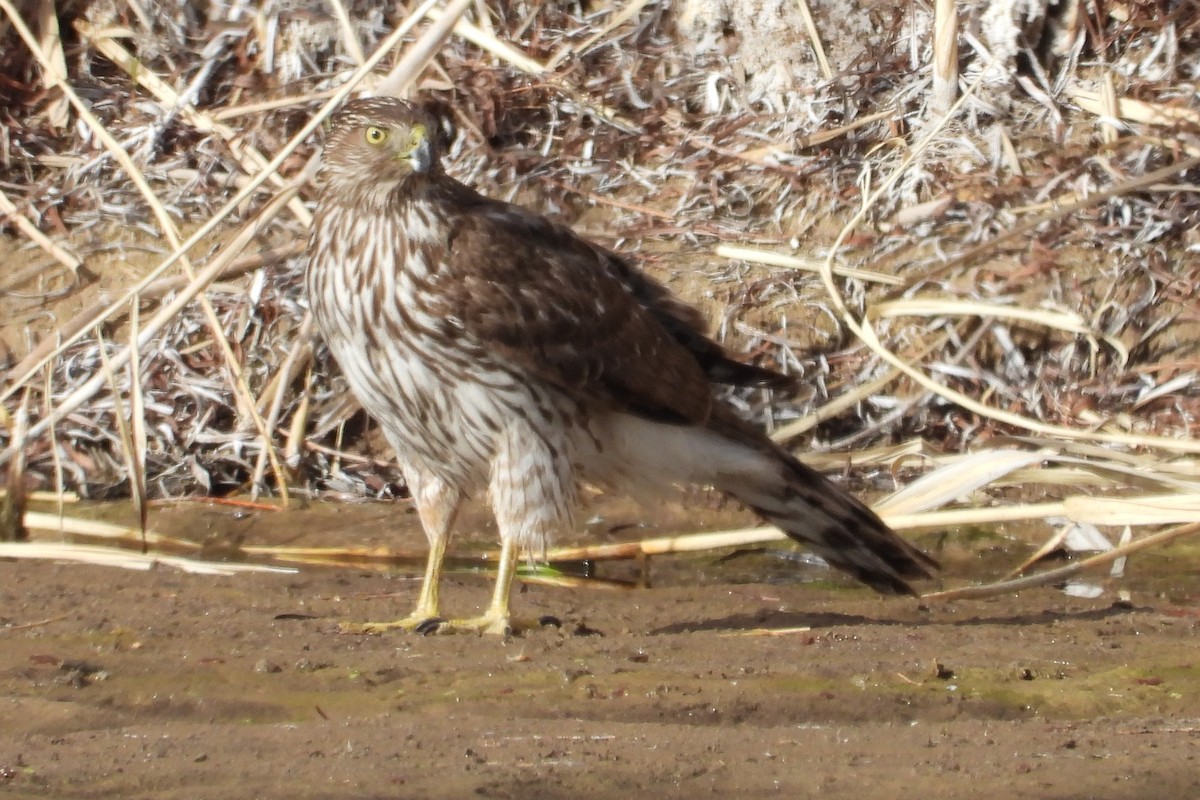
[573, 314]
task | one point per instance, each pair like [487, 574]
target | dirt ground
[162, 684]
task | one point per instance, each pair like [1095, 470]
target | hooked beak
[421, 156]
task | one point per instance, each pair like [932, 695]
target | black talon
[429, 626]
[547, 620]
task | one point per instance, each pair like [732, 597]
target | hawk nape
[497, 349]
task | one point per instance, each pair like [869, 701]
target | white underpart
[464, 429]
[527, 490]
[633, 453]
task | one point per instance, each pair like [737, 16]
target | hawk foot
[491, 624]
[411, 623]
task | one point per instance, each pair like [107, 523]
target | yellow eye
[376, 135]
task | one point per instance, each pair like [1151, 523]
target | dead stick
[1019, 232]
[158, 288]
[1055, 575]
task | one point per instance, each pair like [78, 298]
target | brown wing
[569, 313]
[686, 326]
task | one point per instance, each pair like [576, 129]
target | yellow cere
[416, 136]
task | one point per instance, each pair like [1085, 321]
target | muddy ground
[751, 676]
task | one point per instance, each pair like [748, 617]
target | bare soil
[162, 684]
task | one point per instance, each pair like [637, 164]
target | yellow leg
[437, 506]
[496, 619]
[498, 608]
[532, 491]
[427, 602]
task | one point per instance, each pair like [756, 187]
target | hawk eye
[376, 135]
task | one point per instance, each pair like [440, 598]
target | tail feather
[820, 515]
[631, 451]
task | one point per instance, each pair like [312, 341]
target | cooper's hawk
[496, 348]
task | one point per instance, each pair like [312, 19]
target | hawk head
[380, 142]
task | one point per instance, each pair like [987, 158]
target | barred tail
[820, 515]
[741, 462]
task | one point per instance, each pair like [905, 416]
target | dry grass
[1009, 253]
